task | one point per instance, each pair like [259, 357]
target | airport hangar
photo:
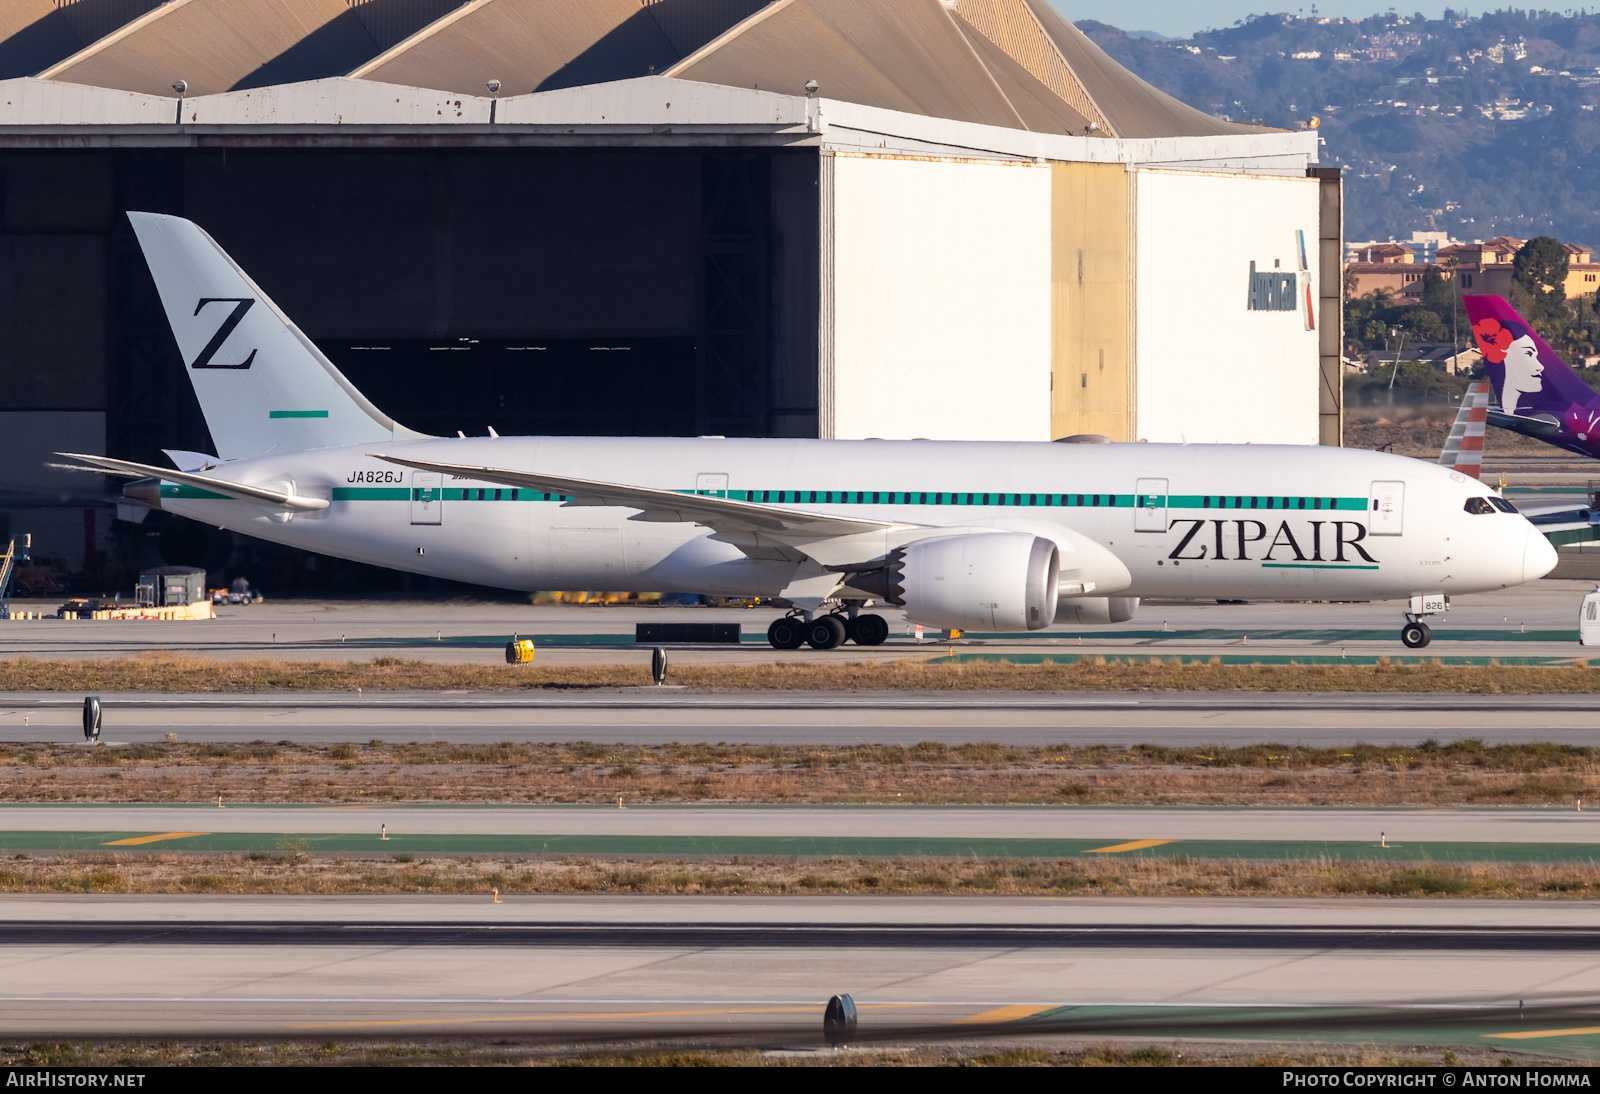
[977, 225]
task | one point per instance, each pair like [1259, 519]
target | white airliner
[985, 537]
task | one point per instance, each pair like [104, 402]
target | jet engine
[1096, 611]
[985, 581]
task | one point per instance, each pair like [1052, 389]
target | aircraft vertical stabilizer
[262, 384]
[1463, 449]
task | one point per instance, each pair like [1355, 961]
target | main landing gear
[827, 632]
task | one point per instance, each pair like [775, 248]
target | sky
[1181, 18]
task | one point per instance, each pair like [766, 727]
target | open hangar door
[690, 273]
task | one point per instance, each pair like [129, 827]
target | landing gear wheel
[1416, 635]
[786, 634]
[868, 630]
[826, 632]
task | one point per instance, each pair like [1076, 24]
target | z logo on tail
[242, 305]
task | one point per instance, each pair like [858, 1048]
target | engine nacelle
[985, 581]
[1096, 611]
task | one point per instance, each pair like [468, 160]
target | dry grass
[290, 871]
[188, 674]
[1421, 431]
[1461, 773]
[936, 1052]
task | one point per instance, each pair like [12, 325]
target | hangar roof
[1015, 64]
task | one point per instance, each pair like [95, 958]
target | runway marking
[1523, 1035]
[1136, 845]
[1002, 1014]
[152, 839]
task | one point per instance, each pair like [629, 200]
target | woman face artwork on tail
[1512, 348]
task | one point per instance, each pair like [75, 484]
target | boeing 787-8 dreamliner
[981, 536]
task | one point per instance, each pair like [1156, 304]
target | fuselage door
[427, 498]
[711, 484]
[1386, 509]
[1150, 505]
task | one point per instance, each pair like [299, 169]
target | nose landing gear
[1417, 634]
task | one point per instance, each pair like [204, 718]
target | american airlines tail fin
[263, 386]
[1463, 449]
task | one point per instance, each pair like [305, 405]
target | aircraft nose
[1538, 555]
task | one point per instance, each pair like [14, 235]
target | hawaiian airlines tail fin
[262, 384]
[1530, 379]
[1463, 449]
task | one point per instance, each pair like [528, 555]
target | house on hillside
[1391, 266]
[1442, 356]
[1484, 267]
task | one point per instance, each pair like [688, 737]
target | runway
[583, 967]
[647, 716]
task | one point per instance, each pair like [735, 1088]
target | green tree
[1540, 267]
[1426, 326]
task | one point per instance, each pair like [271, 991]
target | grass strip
[1459, 773]
[183, 673]
[291, 870]
[935, 1051]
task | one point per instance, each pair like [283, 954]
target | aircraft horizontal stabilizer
[720, 514]
[236, 490]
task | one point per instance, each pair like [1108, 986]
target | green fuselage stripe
[1313, 566]
[1257, 505]
[297, 414]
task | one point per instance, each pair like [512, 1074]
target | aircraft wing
[236, 490]
[1463, 449]
[723, 515]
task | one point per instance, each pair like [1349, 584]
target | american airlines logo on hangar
[1271, 291]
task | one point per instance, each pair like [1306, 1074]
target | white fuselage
[1204, 521]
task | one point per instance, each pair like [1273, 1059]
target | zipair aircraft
[980, 536]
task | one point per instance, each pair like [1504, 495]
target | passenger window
[1478, 506]
[1502, 504]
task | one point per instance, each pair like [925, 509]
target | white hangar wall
[939, 283]
[1207, 368]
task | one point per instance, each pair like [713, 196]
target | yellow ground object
[590, 596]
[200, 610]
[519, 651]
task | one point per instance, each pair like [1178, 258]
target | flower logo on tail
[1493, 339]
[1585, 423]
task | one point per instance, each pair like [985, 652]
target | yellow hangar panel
[1089, 275]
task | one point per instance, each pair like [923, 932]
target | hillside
[1478, 126]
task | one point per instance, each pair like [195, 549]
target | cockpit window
[1478, 506]
[1503, 505]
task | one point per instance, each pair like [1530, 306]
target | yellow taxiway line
[1136, 845]
[1528, 1034]
[1002, 1014]
[152, 839]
